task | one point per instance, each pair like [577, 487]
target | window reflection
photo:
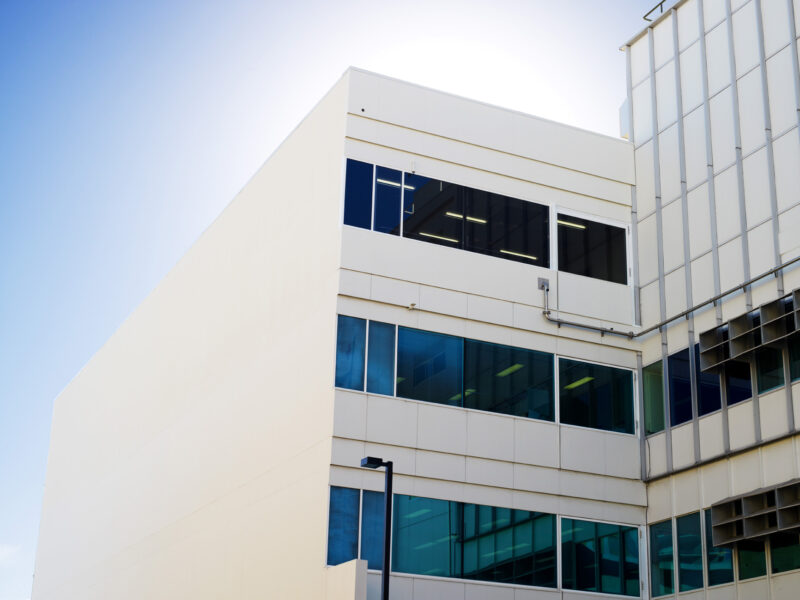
[592, 249]
[596, 396]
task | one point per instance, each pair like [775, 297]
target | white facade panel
[702, 279]
[609, 301]
[640, 61]
[751, 111]
[756, 188]
[723, 142]
[787, 176]
[745, 38]
[718, 58]
[648, 250]
[760, 245]
[642, 112]
[665, 96]
[675, 291]
[663, 48]
[699, 221]
[782, 101]
[672, 221]
[726, 197]
[691, 78]
[688, 24]
[645, 180]
[775, 19]
[669, 161]
[713, 13]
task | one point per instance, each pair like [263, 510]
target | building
[516, 312]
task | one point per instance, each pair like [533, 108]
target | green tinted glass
[653, 385]
[752, 559]
[662, 565]
[690, 552]
[719, 560]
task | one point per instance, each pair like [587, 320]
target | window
[784, 552]
[769, 367]
[380, 362]
[343, 526]
[653, 386]
[794, 357]
[473, 541]
[662, 565]
[358, 194]
[709, 396]
[752, 559]
[599, 557]
[429, 366]
[690, 552]
[738, 386]
[596, 396]
[592, 249]
[719, 560]
[350, 352]
[680, 388]
[508, 380]
[388, 184]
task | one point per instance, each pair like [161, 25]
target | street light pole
[371, 462]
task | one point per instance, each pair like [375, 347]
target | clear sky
[126, 127]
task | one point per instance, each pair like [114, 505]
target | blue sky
[126, 127]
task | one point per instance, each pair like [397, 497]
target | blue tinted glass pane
[508, 380]
[429, 366]
[433, 211]
[709, 396]
[653, 386]
[425, 537]
[738, 386]
[342, 525]
[380, 362]
[350, 340]
[596, 396]
[506, 227]
[769, 366]
[387, 200]
[680, 388]
[690, 552]
[752, 559]
[719, 560]
[661, 562]
[372, 511]
[784, 552]
[358, 194]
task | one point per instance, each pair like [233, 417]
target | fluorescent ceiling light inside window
[476, 220]
[512, 369]
[454, 215]
[438, 237]
[528, 256]
[578, 383]
[571, 224]
[409, 187]
[388, 182]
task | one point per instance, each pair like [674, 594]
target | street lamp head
[372, 463]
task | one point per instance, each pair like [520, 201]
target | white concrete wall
[190, 457]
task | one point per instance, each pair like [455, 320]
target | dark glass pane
[653, 385]
[709, 396]
[543, 557]
[794, 357]
[784, 552]
[380, 361]
[358, 194]
[425, 536]
[680, 388]
[429, 366]
[738, 386]
[596, 396]
[372, 510]
[690, 552]
[508, 380]
[592, 249]
[433, 211]
[599, 557]
[387, 200]
[342, 525]
[769, 366]
[719, 560]
[752, 559]
[506, 227]
[351, 336]
[662, 565]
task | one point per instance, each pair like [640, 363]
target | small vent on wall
[740, 337]
[756, 515]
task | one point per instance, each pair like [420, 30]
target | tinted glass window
[372, 510]
[709, 395]
[508, 380]
[769, 366]
[350, 348]
[690, 552]
[653, 386]
[794, 357]
[429, 366]
[596, 396]
[358, 194]
[380, 362]
[719, 560]
[662, 565]
[784, 551]
[433, 211]
[506, 227]
[599, 557]
[752, 559]
[592, 249]
[738, 386]
[680, 388]
[342, 525]
[388, 184]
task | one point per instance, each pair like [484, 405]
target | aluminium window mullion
[374, 185]
[366, 356]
